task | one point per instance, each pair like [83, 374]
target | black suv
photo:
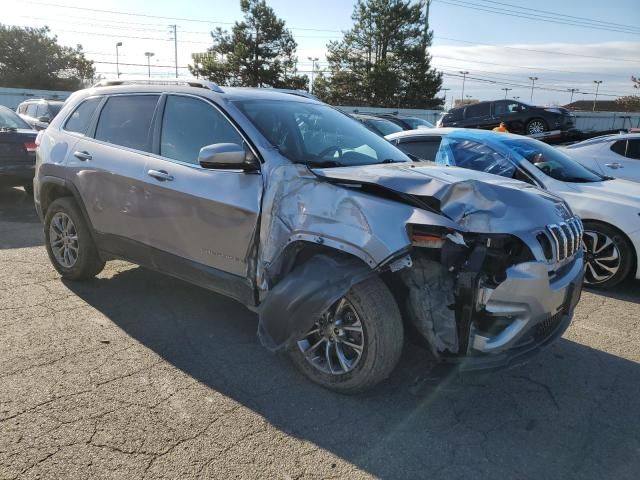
[519, 117]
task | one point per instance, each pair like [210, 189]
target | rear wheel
[357, 342]
[536, 125]
[69, 242]
[608, 256]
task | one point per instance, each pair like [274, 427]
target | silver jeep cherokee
[332, 235]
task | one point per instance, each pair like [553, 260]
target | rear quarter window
[80, 119]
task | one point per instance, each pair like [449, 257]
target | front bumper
[538, 307]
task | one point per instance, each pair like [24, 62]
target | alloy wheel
[536, 126]
[63, 239]
[335, 344]
[602, 257]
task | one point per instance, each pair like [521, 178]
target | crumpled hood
[477, 201]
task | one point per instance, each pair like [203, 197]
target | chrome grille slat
[565, 238]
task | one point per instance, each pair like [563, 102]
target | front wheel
[356, 344]
[608, 256]
[537, 125]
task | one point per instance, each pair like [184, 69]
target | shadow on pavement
[572, 412]
[19, 223]
[628, 291]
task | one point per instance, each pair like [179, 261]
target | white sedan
[609, 208]
[614, 155]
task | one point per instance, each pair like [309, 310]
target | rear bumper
[16, 174]
[537, 308]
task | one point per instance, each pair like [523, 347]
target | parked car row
[388, 123]
[17, 151]
[39, 112]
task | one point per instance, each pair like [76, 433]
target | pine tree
[259, 52]
[383, 60]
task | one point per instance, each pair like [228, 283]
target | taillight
[30, 147]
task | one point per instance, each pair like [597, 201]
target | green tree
[258, 52]
[31, 58]
[383, 60]
[631, 103]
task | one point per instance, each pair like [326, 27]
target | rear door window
[32, 110]
[81, 117]
[633, 149]
[620, 147]
[125, 120]
[478, 110]
[188, 124]
[424, 149]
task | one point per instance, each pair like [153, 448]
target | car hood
[613, 192]
[477, 201]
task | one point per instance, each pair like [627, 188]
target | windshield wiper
[324, 163]
[391, 160]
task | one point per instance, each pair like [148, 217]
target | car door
[206, 217]
[110, 162]
[623, 159]
[507, 111]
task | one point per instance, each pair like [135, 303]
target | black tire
[383, 341]
[28, 189]
[624, 249]
[536, 125]
[88, 262]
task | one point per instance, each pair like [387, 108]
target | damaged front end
[486, 270]
[485, 300]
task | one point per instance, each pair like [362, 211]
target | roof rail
[191, 82]
[298, 92]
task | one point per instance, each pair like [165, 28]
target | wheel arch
[52, 188]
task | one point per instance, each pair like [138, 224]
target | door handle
[84, 156]
[615, 165]
[160, 175]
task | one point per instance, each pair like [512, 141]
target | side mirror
[227, 156]
[44, 119]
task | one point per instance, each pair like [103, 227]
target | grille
[560, 241]
[545, 328]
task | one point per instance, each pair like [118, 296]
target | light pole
[119, 44]
[464, 77]
[506, 91]
[533, 82]
[597, 82]
[313, 69]
[149, 55]
[572, 90]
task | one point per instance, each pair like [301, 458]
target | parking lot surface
[139, 375]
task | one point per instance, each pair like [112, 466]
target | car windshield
[418, 123]
[552, 161]
[55, 108]
[9, 119]
[318, 135]
[386, 127]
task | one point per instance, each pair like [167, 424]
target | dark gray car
[330, 233]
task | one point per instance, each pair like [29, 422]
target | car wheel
[356, 344]
[69, 243]
[608, 256]
[537, 125]
[29, 190]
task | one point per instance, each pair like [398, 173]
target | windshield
[385, 127]
[55, 108]
[418, 123]
[9, 119]
[317, 134]
[552, 161]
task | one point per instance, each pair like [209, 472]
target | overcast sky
[500, 44]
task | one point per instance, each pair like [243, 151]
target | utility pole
[119, 44]
[597, 82]
[533, 82]
[149, 55]
[506, 91]
[464, 77]
[426, 23]
[572, 90]
[313, 69]
[175, 46]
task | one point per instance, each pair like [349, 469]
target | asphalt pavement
[139, 375]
